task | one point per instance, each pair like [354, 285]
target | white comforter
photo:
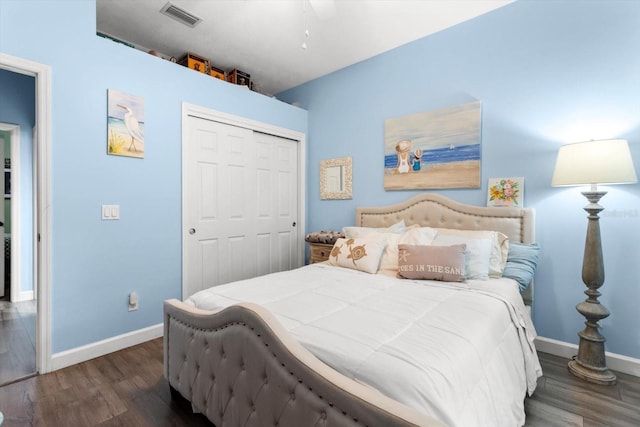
[462, 353]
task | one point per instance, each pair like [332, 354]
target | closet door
[240, 204]
[277, 203]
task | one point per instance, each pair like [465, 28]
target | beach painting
[505, 192]
[125, 124]
[434, 149]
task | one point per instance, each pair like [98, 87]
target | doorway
[33, 223]
[17, 297]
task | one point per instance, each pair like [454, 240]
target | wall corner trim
[81, 354]
[615, 362]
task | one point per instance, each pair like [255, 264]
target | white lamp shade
[594, 162]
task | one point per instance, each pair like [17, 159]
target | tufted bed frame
[240, 367]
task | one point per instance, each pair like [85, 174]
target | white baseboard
[24, 296]
[90, 351]
[616, 362]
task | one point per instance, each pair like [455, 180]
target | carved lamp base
[590, 364]
[602, 376]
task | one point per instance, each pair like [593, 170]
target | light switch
[110, 212]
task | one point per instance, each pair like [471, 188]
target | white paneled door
[240, 204]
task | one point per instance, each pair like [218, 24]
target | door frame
[42, 201]
[14, 130]
[243, 122]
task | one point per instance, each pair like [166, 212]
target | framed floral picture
[507, 192]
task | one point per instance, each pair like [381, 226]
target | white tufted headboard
[434, 210]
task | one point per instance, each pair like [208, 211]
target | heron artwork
[133, 127]
[125, 124]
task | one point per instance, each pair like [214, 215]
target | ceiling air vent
[180, 15]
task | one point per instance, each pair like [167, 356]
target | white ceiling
[265, 37]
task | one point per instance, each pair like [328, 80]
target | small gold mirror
[335, 178]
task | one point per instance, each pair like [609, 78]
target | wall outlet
[133, 301]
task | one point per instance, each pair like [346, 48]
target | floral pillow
[363, 253]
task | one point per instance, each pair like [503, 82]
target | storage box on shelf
[195, 62]
[217, 73]
[238, 77]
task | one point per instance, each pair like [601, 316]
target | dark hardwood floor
[127, 388]
[564, 400]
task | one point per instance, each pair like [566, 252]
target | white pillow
[499, 246]
[389, 260]
[398, 227]
[363, 253]
[418, 236]
[477, 254]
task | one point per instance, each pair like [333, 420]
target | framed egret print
[506, 192]
[125, 124]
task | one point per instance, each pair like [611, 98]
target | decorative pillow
[398, 227]
[391, 234]
[359, 254]
[521, 263]
[499, 246]
[446, 263]
[477, 255]
[324, 236]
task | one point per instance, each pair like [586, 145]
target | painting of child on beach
[433, 149]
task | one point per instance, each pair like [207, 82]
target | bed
[319, 345]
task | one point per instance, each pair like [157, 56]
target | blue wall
[96, 264]
[18, 107]
[547, 73]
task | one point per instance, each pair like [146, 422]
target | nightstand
[319, 252]
[321, 243]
